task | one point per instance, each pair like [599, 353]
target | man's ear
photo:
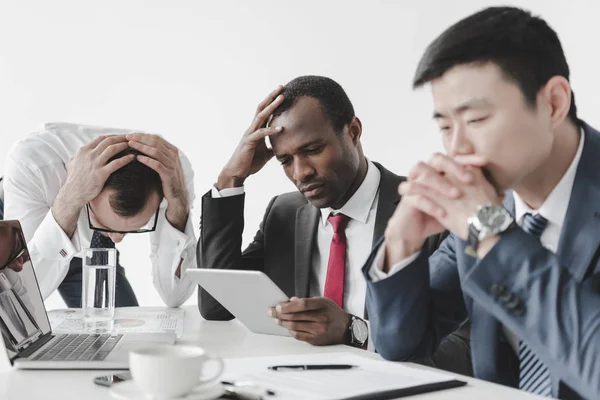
[355, 130]
[557, 95]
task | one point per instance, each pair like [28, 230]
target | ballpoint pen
[310, 367]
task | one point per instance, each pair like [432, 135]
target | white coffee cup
[167, 371]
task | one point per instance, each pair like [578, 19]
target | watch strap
[472, 241]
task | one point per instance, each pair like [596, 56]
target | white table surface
[229, 340]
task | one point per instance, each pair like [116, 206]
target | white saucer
[128, 390]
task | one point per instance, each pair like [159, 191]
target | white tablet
[245, 294]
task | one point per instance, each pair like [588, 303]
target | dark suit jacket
[282, 249]
[552, 301]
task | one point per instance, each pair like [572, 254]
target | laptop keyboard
[79, 347]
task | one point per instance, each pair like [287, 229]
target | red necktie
[336, 267]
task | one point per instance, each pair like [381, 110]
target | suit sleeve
[219, 247]
[413, 310]
[526, 288]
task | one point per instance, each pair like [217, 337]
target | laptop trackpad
[132, 341]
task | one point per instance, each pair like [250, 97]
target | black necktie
[534, 377]
[100, 241]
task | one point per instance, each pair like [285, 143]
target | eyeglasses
[149, 227]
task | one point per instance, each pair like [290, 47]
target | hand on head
[89, 169]
[163, 158]
[252, 152]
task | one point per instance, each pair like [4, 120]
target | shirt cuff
[227, 192]
[370, 344]
[172, 239]
[52, 242]
[376, 272]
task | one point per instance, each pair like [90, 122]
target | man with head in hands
[519, 189]
[312, 242]
[76, 186]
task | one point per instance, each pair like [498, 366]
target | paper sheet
[371, 376]
[127, 320]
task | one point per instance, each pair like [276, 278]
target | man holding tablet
[312, 243]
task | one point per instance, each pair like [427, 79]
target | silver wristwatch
[488, 220]
[359, 332]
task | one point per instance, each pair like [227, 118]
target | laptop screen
[23, 318]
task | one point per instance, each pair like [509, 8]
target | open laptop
[25, 328]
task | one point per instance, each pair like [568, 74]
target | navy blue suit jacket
[550, 300]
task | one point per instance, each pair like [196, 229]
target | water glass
[99, 269]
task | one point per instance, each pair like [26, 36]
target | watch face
[360, 330]
[493, 218]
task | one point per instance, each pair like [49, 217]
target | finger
[424, 172]
[425, 204]
[109, 141]
[421, 169]
[261, 118]
[96, 141]
[269, 99]
[112, 151]
[263, 133]
[300, 305]
[435, 185]
[443, 163]
[150, 151]
[118, 163]
[154, 164]
[307, 316]
[471, 159]
[151, 140]
[302, 336]
[308, 327]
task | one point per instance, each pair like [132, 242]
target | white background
[194, 71]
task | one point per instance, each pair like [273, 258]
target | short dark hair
[334, 101]
[134, 184]
[525, 48]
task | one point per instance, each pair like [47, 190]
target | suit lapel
[579, 239]
[388, 200]
[307, 218]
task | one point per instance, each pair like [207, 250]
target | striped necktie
[534, 377]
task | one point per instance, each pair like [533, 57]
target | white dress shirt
[554, 209]
[362, 210]
[35, 171]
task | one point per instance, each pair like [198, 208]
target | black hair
[133, 184]
[523, 46]
[332, 98]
